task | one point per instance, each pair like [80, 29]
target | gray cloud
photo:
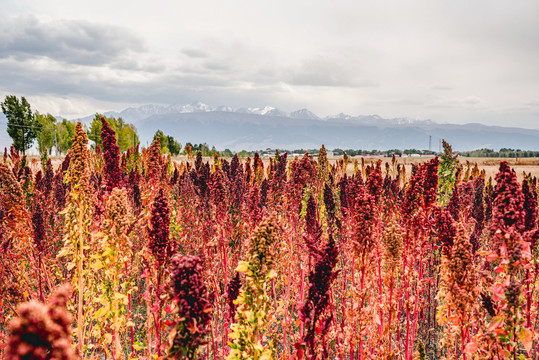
[322, 71]
[27, 77]
[194, 53]
[67, 41]
[441, 87]
[464, 102]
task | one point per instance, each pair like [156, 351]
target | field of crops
[133, 255]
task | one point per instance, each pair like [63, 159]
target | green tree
[162, 139]
[126, 134]
[173, 146]
[65, 131]
[244, 154]
[47, 136]
[204, 149]
[22, 126]
[168, 143]
[94, 132]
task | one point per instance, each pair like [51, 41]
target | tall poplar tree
[22, 125]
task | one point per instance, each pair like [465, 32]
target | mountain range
[269, 127]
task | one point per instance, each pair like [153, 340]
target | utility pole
[430, 142]
[55, 140]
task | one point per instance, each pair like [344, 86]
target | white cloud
[448, 61]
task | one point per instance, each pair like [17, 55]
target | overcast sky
[452, 61]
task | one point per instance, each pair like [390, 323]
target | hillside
[237, 131]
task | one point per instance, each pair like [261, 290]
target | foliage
[253, 301]
[46, 138]
[168, 144]
[125, 133]
[65, 131]
[22, 125]
[446, 174]
[502, 153]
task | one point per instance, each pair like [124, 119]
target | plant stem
[130, 313]
[80, 332]
[41, 298]
[390, 310]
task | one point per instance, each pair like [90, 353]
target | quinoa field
[137, 256]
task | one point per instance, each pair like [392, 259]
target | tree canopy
[65, 133]
[168, 143]
[126, 134]
[22, 125]
[46, 139]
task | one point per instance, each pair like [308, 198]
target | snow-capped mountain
[258, 111]
[269, 127]
[303, 114]
[340, 116]
[276, 112]
[224, 108]
[261, 127]
[135, 114]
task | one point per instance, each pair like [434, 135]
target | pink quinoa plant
[39, 239]
[111, 154]
[313, 231]
[193, 309]
[375, 181]
[478, 213]
[42, 332]
[59, 192]
[508, 205]
[445, 229]
[530, 206]
[219, 193]
[233, 290]
[45, 185]
[329, 202]
[159, 233]
[313, 311]
[38, 227]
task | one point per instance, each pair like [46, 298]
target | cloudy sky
[449, 61]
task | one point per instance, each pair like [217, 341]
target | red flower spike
[111, 154]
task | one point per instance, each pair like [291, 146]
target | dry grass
[490, 165]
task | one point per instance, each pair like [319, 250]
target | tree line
[26, 127]
[503, 153]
